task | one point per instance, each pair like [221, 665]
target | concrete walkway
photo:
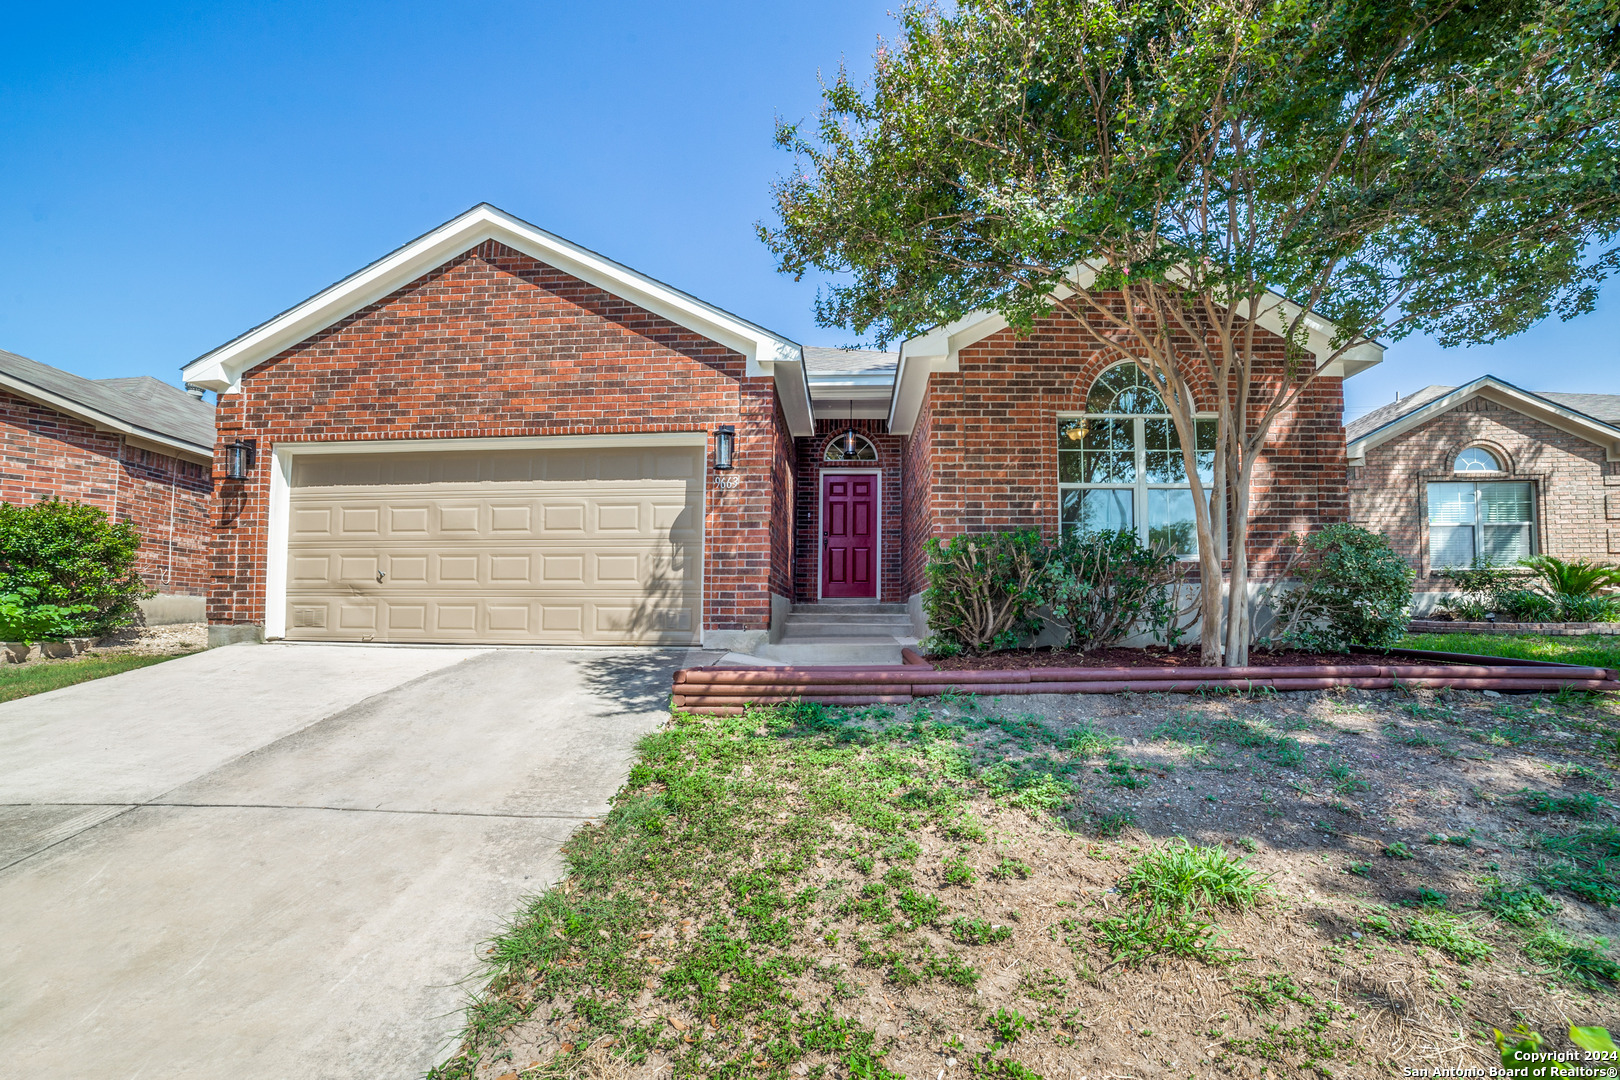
[279, 860]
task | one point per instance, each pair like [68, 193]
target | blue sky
[173, 175]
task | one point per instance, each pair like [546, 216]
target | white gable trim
[768, 354]
[938, 349]
[1502, 393]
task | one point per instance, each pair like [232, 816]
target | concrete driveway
[280, 860]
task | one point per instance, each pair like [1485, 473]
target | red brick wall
[493, 344]
[991, 441]
[1577, 491]
[811, 451]
[45, 454]
[783, 488]
[917, 511]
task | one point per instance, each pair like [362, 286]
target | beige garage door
[580, 546]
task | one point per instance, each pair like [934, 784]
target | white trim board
[1502, 393]
[767, 353]
[821, 508]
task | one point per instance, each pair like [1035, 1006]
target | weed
[1006, 1025]
[1448, 934]
[958, 872]
[1584, 774]
[1183, 877]
[1142, 932]
[1586, 963]
[1113, 822]
[1088, 741]
[1359, 869]
[1431, 898]
[1310, 1042]
[1248, 843]
[979, 931]
[1395, 849]
[1584, 863]
[1454, 841]
[1009, 868]
[1345, 780]
[1381, 924]
[1521, 906]
[1541, 802]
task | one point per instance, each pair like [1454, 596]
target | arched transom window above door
[839, 449]
[1120, 464]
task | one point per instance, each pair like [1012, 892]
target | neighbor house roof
[1594, 417]
[143, 409]
[767, 353]
[937, 349]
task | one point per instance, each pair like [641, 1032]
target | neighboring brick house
[1488, 469]
[493, 434]
[138, 448]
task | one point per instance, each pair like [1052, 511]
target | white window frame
[1140, 489]
[1478, 525]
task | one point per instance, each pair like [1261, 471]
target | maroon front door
[849, 531]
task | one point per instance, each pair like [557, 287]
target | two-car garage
[563, 544]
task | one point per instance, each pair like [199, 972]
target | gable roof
[1593, 417]
[767, 353]
[144, 409]
[938, 349]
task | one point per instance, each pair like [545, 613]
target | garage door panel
[582, 546]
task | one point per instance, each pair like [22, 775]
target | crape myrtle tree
[1166, 172]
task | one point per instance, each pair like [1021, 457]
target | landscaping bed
[1343, 883]
[1185, 656]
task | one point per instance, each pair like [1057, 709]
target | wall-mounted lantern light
[725, 445]
[239, 457]
[852, 444]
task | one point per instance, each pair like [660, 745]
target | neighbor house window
[1476, 459]
[1120, 465]
[1495, 521]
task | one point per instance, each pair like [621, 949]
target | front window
[1120, 465]
[1492, 520]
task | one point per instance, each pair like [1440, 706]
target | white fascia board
[222, 369]
[1506, 394]
[151, 440]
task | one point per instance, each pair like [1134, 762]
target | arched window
[1120, 465]
[864, 450]
[1476, 459]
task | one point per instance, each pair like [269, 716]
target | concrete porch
[836, 632]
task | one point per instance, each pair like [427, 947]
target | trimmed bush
[983, 590]
[1352, 588]
[1100, 585]
[67, 570]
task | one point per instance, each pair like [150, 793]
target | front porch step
[848, 607]
[890, 623]
[885, 651]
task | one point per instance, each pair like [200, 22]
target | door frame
[279, 508]
[821, 508]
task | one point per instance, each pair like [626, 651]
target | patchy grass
[1594, 650]
[962, 886]
[26, 680]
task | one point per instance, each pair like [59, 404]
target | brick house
[1488, 469]
[138, 448]
[494, 434]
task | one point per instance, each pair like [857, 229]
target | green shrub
[1100, 585]
[1352, 588]
[1524, 605]
[24, 618]
[1575, 578]
[68, 568]
[983, 590]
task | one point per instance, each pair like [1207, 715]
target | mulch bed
[1150, 657]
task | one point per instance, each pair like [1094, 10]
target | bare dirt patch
[156, 640]
[1149, 657]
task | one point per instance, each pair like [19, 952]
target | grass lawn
[1596, 650]
[25, 680]
[1031, 887]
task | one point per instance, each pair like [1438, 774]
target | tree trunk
[1237, 618]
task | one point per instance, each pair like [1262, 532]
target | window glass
[1170, 520]
[1123, 389]
[1495, 520]
[864, 450]
[1128, 471]
[1477, 459]
[1097, 510]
